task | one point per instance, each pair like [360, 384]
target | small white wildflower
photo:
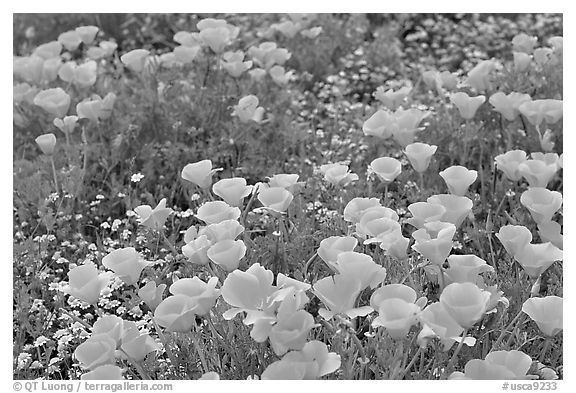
[23, 360]
[135, 178]
[41, 340]
[121, 195]
[100, 196]
[105, 225]
[115, 224]
[194, 197]
[130, 213]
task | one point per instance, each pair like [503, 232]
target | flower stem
[409, 366]
[169, 352]
[501, 336]
[456, 352]
[54, 174]
[137, 365]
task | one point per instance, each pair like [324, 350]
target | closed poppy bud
[465, 302]
[87, 33]
[96, 351]
[420, 155]
[397, 316]
[542, 203]
[227, 253]
[276, 199]
[70, 40]
[547, 312]
[54, 101]
[514, 238]
[152, 294]
[380, 124]
[467, 106]
[457, 207]
[479, 76]
[386, 168]
[85, 283]
[536, 258]
[104, 372]
[509, 163]
[232, 190]
[338, 174]
[126, 263]
[521, 61]
[458, 179]
[217, 211]
[46, 143]
[332, 246]
[537, 173]
[199, 173]
[135, 59]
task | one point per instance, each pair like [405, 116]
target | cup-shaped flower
[110, 325]
[70, 40]
[288, 181]
[232, 190]
[135, 60]
[338, 174]
[458, 179]
[137, 345]
[176, 313]
[375, 212]
[216, 35]
[279, 75]
[420, 154]
[509, 163]
[267, 54]
[537, 111]
[466, 268]
[386, 168]
[390, 98]
[227, 253]
[542, 203]
[548, 158]
[50, 69]
[196, 250]
[522, 42]
[96, 351]
[46, 143]
[457, 207]
[392, 291]
[54, 101]
[85, 75]
[538, 173]
[203, 294]
[362, 267]
[439, 323]
[126, 263]
[546, 312]
[357, 206]
[105, 372]
[288, 28]
[152, 294]
[516, 361]
[379, 230]
[87, 33]
[338, 293]
[224, 230]
[247, 291]
[434, 241]
[380, 124]
[290, 331]
[406, 125]
[397, 316]
[423, 212]
[67, 124]
[217, 211]
[199, 173]
[536, 258]
[153, 218]
[479, 76]
[465, 302]
[551, 232]
[185, 54]
[477, 369]
[48, 50]
[332, 246]
[521, 61]
[248, 109]
[276, 199]
[507, 105]
[85, 283]
[467, 106]
[234, 64]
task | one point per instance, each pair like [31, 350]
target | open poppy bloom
[542, 203]
[276, 199]
[538, 111]
[104, 372]
[380, 124]
[538, 173]
[379, 230]
[67, 124]
[185, 54]
[110, 325]
[371, 214]
[227, 253]
[224, 230]
[397, 316]
[87, 33]
[216, 33]
[54, 101]
[289, 181]
[420, 154]
[551, 232]
[291, 328]
[232, 190]
[434, 241]
[333, 246]
[126, 263]
[70, 40]
[267, 54]
[217, 211]
[466, 268]
[48, 50]
[96, 351]
[196, 250]
[152, 294]
[522, 42]
[362, 267]
[514, 238]
[479, 76]
[135, 344]
[203, 294]
[234, 64]
[424, 212]
[546, 312]
[338, 174]
[465, 302]
[509, 163]
[437, 322]
[535, 258]
[248, 109]
[85, 283]
[199, 173]
[135, 59]
[153, 218]
[357, 206]
[406, 125]
[458, 179]
[176, 313]
[339, 293]
[390, 98]
[386, 168]
[498, 365]
[467, 106]
[507, 105]
[457, 207]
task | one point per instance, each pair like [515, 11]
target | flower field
[288, 196]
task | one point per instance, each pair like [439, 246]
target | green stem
[409, 366]
[456, 352]
[54, 174]
[169, 352]
[504, 331]
[137, 365]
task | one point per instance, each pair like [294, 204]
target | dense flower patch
[223, 207]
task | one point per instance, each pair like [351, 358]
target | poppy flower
[105, 372]
[386, 168]
[232, 190]
[390, 98]
[70, 40]
[394, 291]
[380, 124]
[267, 54]
[542, 203]
[379, 230]
[54, 101]
[210, 376]
[457, 207]
[279, 75]
[91, 109]
[437, 322]
[521, 61]
[338, 174]
[516, 361]
[290, 331]
[537, 111]
[397, 316]
[109, 325]
[406, 125]
[536, 258]
[135, 60]
[423, 212]
[50, 69]
[188, 39]
[85, 74]
[216, 33]
[465, 302]
[67, 124]
[434, 241]
[514, 238]
[248, 109]
[547, 312]
[509, 163]
[467, 106]
[185, 54]
[224, 230]
[87, 33]
[46, 143]
[217, 211]
[203, 295]
[338, 293]
[29, 68]
[137, 345]
[153, 218]
[367, 228]
[362, 267]
[176, 313]
[85, 283]
[96, 351]
[332, 246]
[227, 253]
[537, 173]
[420, 154]
[551, 232]
[479, 76]
[276, 199]
[234, 64]
[289, 181]
[126, 263]
[507, 105]
[199, 173]
[524, 43]
[312, 32]
[48, 50]
[152, 294]
[288, 28]
[356, 208]
[466, 268]
[544, 56]
[458, 179]
[498, 365]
